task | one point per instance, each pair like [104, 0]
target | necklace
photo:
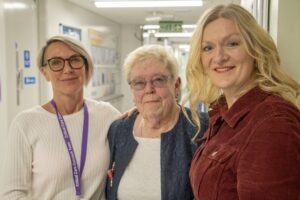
[167, 126]
[142, 125]
[142, 132]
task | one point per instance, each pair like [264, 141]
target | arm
[269, 165]
[128, 113]
[16, 171]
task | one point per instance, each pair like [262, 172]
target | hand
[128, 113]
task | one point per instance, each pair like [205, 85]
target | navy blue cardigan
[177, 151]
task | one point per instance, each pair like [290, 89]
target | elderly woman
[58, 150]
[151, 151]
[252, 146]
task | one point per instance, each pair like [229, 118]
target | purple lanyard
[63, 127]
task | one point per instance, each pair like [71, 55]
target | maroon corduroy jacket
[249, 152]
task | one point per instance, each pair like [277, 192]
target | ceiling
[136, 16]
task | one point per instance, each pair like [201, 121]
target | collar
[239, 109]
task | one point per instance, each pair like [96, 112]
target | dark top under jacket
[177, 151]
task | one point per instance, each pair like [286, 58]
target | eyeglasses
[158, 81]
[58, 64]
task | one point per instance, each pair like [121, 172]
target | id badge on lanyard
[75, 171]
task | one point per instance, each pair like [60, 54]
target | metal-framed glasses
[57, 64]
[158, 81]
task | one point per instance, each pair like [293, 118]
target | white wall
[70, 15]
[15, 40]
[3, 102]
[128, 44]
[285, 30]
[273, 19]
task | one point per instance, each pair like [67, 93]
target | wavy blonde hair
[270, 76]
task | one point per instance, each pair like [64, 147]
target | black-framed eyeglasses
[57, 63]
[158, 81]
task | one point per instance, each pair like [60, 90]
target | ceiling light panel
[184, 26]
[147, 4]
[169, 35]
[14, 5]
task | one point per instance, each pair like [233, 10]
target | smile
[70, 79]
[223, 69]
[152, 101]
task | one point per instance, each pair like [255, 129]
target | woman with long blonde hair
[251, 148]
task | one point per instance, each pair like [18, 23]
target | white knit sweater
[37, 164]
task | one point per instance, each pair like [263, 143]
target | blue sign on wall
[29, 80]
[26, 58]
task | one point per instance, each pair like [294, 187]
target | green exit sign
[170, 26]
